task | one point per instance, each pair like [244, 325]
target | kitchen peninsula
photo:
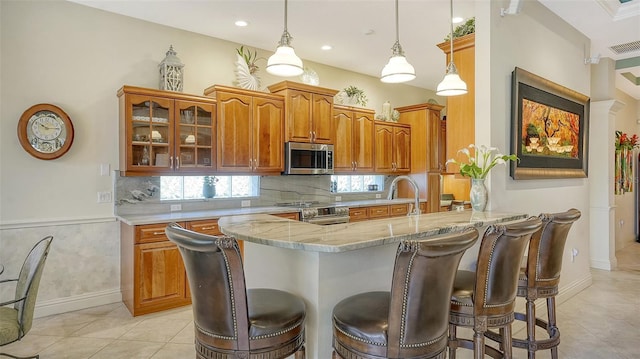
[324, 264]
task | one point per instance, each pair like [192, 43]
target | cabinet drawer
[378, 211]
[358, 214]
[399, 209]
[209, 226]
[151, 233]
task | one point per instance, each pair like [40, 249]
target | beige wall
[539, 42]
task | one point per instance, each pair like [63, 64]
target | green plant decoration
[469, 27]
[356, 93]
[250, 58]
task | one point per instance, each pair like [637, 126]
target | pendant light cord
[451, 22]
[285, 15]
[397, 26]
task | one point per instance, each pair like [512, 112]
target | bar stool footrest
[468, 344]
[540, 344]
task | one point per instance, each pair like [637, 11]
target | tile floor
[599, 322]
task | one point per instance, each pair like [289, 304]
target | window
[190, 187]
[356, 183]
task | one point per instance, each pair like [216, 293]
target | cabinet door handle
[158, 233]
[177, 163]
[311, 136]
[255, 164]
[355, 165]
[171, 162]
[250, 163]
[208, 228]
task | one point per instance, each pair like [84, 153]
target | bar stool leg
[453, 344]
[506, 343]
[301, 353]
[552, 328]
[478, 345]
[531, 328]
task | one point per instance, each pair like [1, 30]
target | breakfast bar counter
[325, 264]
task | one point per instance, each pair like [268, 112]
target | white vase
[478, 195]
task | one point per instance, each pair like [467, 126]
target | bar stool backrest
[421, 291]
[544, 261]
[216, 278]
[498, 268]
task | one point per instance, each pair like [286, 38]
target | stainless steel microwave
[308, 159]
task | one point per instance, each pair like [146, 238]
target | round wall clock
[45, 131]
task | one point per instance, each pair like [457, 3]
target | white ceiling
[362, 32]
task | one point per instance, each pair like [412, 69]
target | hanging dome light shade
[285, 62]
[452, 84]
[398, 69]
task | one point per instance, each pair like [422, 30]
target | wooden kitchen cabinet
[153, 277]
[164, 132]
[353, 145]
[427, 152]
[250, 131]
[358, 214]
[460, 115]
[309, 112]
[392, 148]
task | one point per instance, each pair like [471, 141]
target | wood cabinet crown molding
[291, 85]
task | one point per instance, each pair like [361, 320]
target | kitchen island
[325, 264]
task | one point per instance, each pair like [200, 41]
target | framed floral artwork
[549, 130]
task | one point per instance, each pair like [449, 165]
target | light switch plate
[104, 169]
[338, 198]
[176, 207]
[245, 203]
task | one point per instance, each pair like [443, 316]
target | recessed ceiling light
[457, 20]
[326, 47]
[241, 23]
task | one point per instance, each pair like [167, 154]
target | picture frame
[549, 129]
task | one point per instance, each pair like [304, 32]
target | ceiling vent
[626, 48]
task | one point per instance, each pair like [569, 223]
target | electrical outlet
[378, 195]
[338, 198]
[621, 223]
[176, 207]
[245, 203]
[104, 197]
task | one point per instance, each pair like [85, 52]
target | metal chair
[486, 298]
[230, 320]
[540, 279]
[16, 320]
[411, 320]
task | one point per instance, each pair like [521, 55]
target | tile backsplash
[142, 194]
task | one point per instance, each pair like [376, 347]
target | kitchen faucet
[416, 192]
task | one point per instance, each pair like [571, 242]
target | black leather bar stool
[486, 298]
[540, 279]
[232, 321]
[411, 320]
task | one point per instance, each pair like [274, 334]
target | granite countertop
[284, 233]
[152, 218]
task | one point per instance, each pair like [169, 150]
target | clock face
[45, 131]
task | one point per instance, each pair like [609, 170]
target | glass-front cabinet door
[151, 133]
[166, 132]
[195, 129]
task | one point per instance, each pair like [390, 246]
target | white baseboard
[601, 264]
[69, 304]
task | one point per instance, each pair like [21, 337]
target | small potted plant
[209, 186]
[354, 96]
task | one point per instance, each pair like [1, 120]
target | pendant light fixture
[285, 62]
[452, 84]
[398, 69]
